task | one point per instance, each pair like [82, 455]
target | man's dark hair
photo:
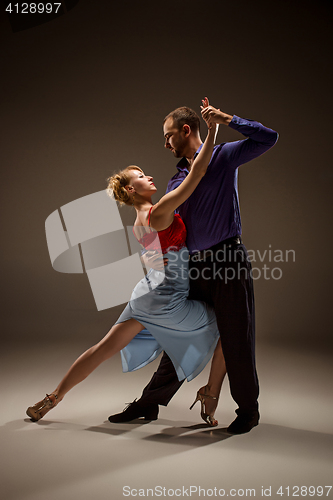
[185, 115]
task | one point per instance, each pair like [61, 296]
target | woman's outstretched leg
[115, 340]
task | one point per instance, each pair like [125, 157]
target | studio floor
[75, 453]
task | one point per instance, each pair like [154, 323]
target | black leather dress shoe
[133, 411]
[244, 423]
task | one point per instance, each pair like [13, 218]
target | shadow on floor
[174, 432]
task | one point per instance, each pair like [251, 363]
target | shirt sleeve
[259, 140]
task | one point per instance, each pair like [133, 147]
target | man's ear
[186, 129]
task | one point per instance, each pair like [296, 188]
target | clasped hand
[154, 260]
[211, 115]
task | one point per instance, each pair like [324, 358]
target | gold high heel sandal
[209, 419]
[49, 402]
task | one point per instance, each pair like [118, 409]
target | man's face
[176, 140]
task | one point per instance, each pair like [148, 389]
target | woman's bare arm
[162, 213]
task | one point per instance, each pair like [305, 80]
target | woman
[185, 329]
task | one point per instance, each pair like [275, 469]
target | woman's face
[141, 183]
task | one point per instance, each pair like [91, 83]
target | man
[220, 271]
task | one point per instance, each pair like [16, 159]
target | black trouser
[222, 279]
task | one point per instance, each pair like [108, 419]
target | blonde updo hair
[117, 183]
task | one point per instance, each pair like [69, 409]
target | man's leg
[162, 387]
[234, 306]
[229, 289]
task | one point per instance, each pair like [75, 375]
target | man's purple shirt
[211, 214]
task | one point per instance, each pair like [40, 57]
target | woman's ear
[130, 189]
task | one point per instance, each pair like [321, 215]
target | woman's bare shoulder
[160, 220]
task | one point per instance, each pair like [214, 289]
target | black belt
[222, 245]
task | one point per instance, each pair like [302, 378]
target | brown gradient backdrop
[85, 94]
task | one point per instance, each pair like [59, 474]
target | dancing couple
[191, 316]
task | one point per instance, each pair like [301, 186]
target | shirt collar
[182, 165]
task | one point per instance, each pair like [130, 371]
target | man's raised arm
[259, 138]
